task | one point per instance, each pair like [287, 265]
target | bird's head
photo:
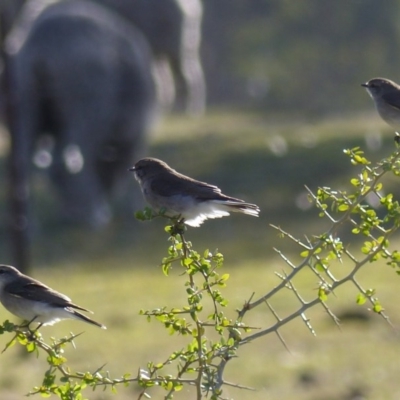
[380, 86]
[7, 274]
[149, 167]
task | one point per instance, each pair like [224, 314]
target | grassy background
[115, 271]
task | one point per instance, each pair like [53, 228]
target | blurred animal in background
[173, 30]
[9, 10]
[82, 75]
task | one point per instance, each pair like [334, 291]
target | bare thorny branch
[313, 256]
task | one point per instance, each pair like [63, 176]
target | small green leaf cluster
[149, 214]
[201, 357]
[59, 380]
[145, 215]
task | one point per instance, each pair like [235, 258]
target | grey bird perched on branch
[33, 301]
[184, 197]
[386, 95]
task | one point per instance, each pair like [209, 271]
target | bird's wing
[393, 99]
[180, 184]
[34, 290]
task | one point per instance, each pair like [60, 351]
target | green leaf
[56, 360]
[322, 294]
[319, 266]
[366, 248]
[178, 387]
[370, 292]
[139, 215]
[30, 347]
[165, 268]
[224, 302]
[224, 277]
[361, 299]
[187, 262]
[360, 160]
[304, 253]
[225, 322]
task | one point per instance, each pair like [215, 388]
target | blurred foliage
[305, 56]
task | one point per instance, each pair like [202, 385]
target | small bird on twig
[33, 301]
[180, 196]
[386, 96]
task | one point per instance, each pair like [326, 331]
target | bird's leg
[27, 323]
[37, 328]
[31, 333]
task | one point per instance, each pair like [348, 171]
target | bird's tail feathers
[82, 317]
[236, 206]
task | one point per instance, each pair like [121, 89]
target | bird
[190, 200]
[386, 96]
[33, 301]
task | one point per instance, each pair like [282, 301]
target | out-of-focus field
[115, 271]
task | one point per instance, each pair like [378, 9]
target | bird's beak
[131, 169]
[365, 85]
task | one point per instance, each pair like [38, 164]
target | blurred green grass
[115, 271]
